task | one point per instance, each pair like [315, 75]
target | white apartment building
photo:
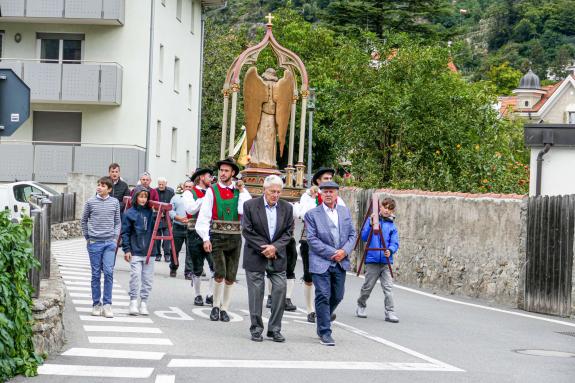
[111, 81]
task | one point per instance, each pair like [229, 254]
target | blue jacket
[137, 227]
[390, 237]
[321, 242]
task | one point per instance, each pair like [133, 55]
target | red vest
[197, 193]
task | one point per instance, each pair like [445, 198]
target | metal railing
[40, 213]
[80, 11]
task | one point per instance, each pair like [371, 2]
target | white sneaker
[144, 308]
[361, 312]
[97, 310]
[391, 317]
[133, 309]
[108, 311]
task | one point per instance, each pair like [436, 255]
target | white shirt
[332, 214]
[205, 215]
[272, 218]
[192, 205]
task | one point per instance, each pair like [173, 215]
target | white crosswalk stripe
[143, 330]
[114, 354]
[95, 371]
[130, 340]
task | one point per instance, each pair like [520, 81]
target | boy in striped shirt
[101, 227]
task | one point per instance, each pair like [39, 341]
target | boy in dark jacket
[377, 261]
[137, 228]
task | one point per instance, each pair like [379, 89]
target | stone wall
[84, 186]
[66, 230]
[48, 312]
[456, 243]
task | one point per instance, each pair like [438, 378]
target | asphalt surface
[438, 339]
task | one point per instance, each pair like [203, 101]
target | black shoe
[215, 314]
[276, 336]
[209, 300]
[224, 316]
[158, 258]
[289, 306]
[188, 276]
[311, 317]
[332, 317]
[173, 273]
[269, 302]
[198, 301]
[257, 337]
[167, 259]
[326, 340]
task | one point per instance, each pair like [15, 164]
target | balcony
[102, 12]
[80, 82]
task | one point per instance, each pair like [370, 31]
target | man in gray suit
[331, 236]
[267, 226]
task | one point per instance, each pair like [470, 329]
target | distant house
[549, 115]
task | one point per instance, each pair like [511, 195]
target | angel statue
[267, 107]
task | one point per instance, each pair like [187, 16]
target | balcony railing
[109, 12]
[79, 82]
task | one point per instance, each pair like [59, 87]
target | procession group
[211, 218]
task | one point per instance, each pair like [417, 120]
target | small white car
[16, 196]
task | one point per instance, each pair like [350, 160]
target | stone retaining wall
[48, 312]
[66, 230]
[455, 243]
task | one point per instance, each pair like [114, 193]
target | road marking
[113, 354]
[96, 371]
[119, 296]
[130, 340]
[67, 273]
[304, 364]
[89, 310]
[86, 283]
[89, 289]
[142, 330]
[89, 302]
[165, 379]
[75, 268]
[265, 319]
[76, 278]
[91, 318]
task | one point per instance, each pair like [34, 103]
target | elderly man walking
[331, 238]
[267, 226]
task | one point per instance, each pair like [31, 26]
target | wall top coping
[445, 194]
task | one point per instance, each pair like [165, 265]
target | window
[572, 117]
[23, 192]
[60, 47]
[179, 10]
[174, 144]
[161, 69]
[57, 127]
[158, 138]
[526, 103]
[176, 74]
[190, 97]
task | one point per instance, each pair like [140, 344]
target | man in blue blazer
[331, 237]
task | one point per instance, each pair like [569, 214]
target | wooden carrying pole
[375, 229]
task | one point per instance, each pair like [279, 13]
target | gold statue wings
[256, 94]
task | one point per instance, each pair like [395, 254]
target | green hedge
[16, 259]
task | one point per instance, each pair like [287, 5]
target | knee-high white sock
[269, 285]
[308, 292]
[211, 286]
[197, 281]
[218, 287]
[289, 288]
[227, 297]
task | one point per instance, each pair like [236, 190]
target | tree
[505, 78]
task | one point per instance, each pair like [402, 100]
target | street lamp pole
[311, 108]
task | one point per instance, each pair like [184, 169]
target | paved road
[439, 339]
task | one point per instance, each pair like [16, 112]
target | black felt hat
[320, 172]
[200, 172]
[231, 162]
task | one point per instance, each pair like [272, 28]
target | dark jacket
[120, 190]
[137, 227]
[256, 233]
[390, 237]
[165, 196]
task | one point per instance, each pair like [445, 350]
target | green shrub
[16, 259]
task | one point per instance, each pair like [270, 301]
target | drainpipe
[548, 141]
[150, 79]
[203, 32]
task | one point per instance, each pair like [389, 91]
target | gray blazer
[321, 241]
[256, 233]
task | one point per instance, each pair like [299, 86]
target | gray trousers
[141, 277]
[373, 272]
[256, 291]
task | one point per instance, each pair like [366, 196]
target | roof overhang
[555, 134]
